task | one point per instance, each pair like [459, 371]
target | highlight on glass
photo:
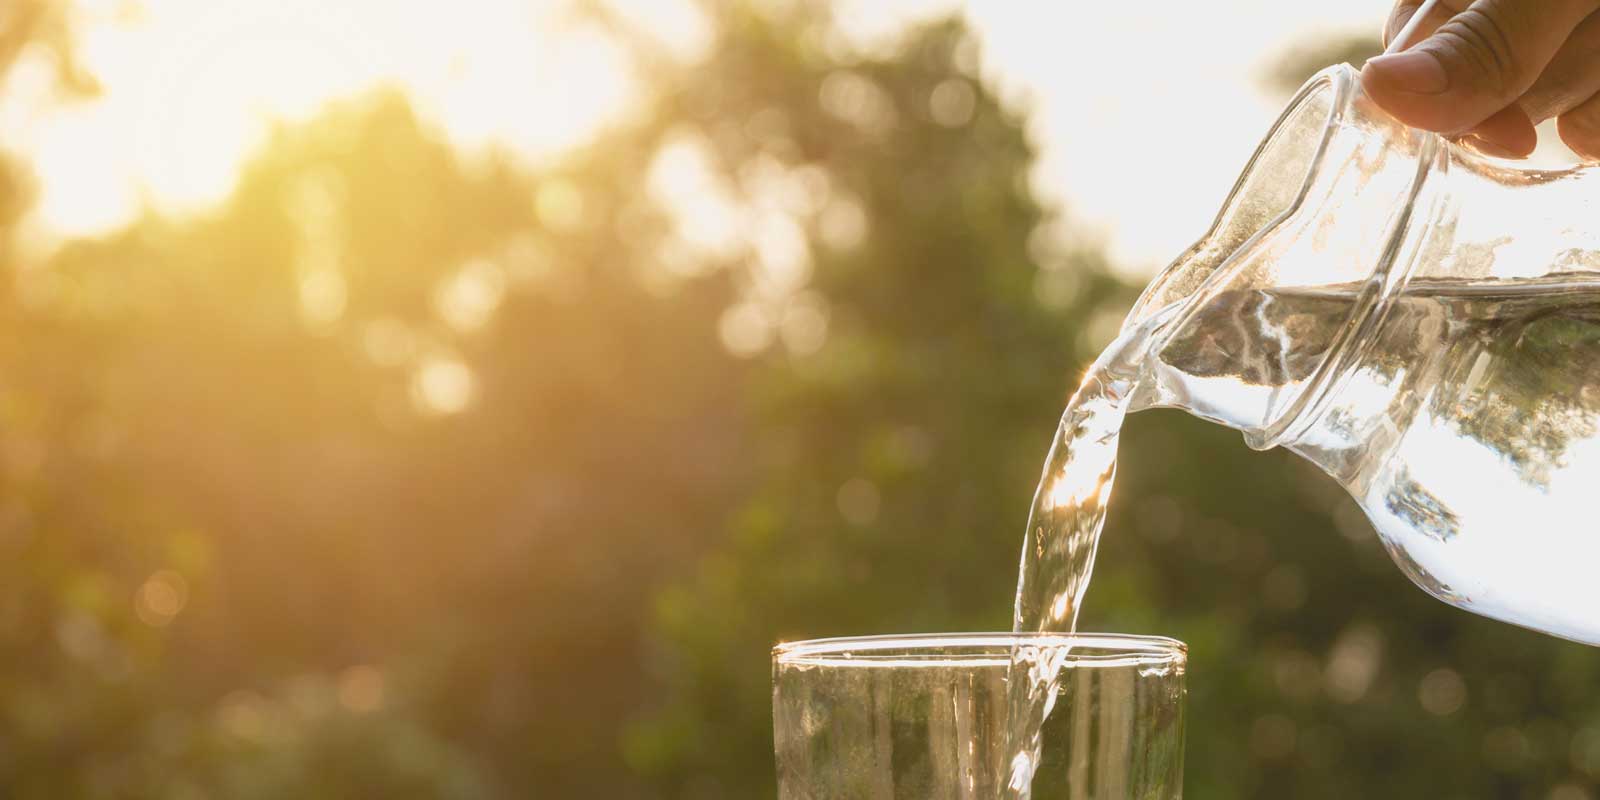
[925, 717]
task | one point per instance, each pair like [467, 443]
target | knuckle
[1483, 44]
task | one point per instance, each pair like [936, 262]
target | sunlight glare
[1095, 462]
[190, 83]
[323, 294]
[469, 298]
[1070, 490]
[442, 386]
[192, 87]
[679, 25]
[1060, 607]
[705, 213]
[745, 329]
[781, 253]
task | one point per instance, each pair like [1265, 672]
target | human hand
[1488, 70]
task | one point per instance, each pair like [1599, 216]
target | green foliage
[229, 472]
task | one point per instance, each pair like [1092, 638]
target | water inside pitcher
[1424, 325]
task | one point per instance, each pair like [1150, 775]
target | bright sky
[1144, 111]
[1147, 111]
[192, 85]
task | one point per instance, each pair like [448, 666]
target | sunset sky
[1144, 111]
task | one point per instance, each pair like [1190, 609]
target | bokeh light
[442, 386]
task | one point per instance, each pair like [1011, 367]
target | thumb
[1474, 65]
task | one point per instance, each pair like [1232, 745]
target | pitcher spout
[1421, 323]
[1259, 315]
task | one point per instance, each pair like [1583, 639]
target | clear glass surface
[924, 717]
[1420, 322]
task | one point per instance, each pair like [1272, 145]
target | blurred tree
[44, 26]
[37, 28]
[408, 406]
[1298, 63]
[896, 457]
[293, 490]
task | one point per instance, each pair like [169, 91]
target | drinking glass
[924, 717]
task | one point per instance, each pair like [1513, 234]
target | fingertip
[1580, 136]
[1484, 147]
[1507, 133]
[1417, 72]
[1396, 94]
[1389, 98]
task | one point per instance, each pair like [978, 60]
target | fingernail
[1414, 72]
[1487, 147]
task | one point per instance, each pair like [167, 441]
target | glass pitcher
[1424, 325]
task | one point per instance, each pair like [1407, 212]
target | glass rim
[980, 649]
